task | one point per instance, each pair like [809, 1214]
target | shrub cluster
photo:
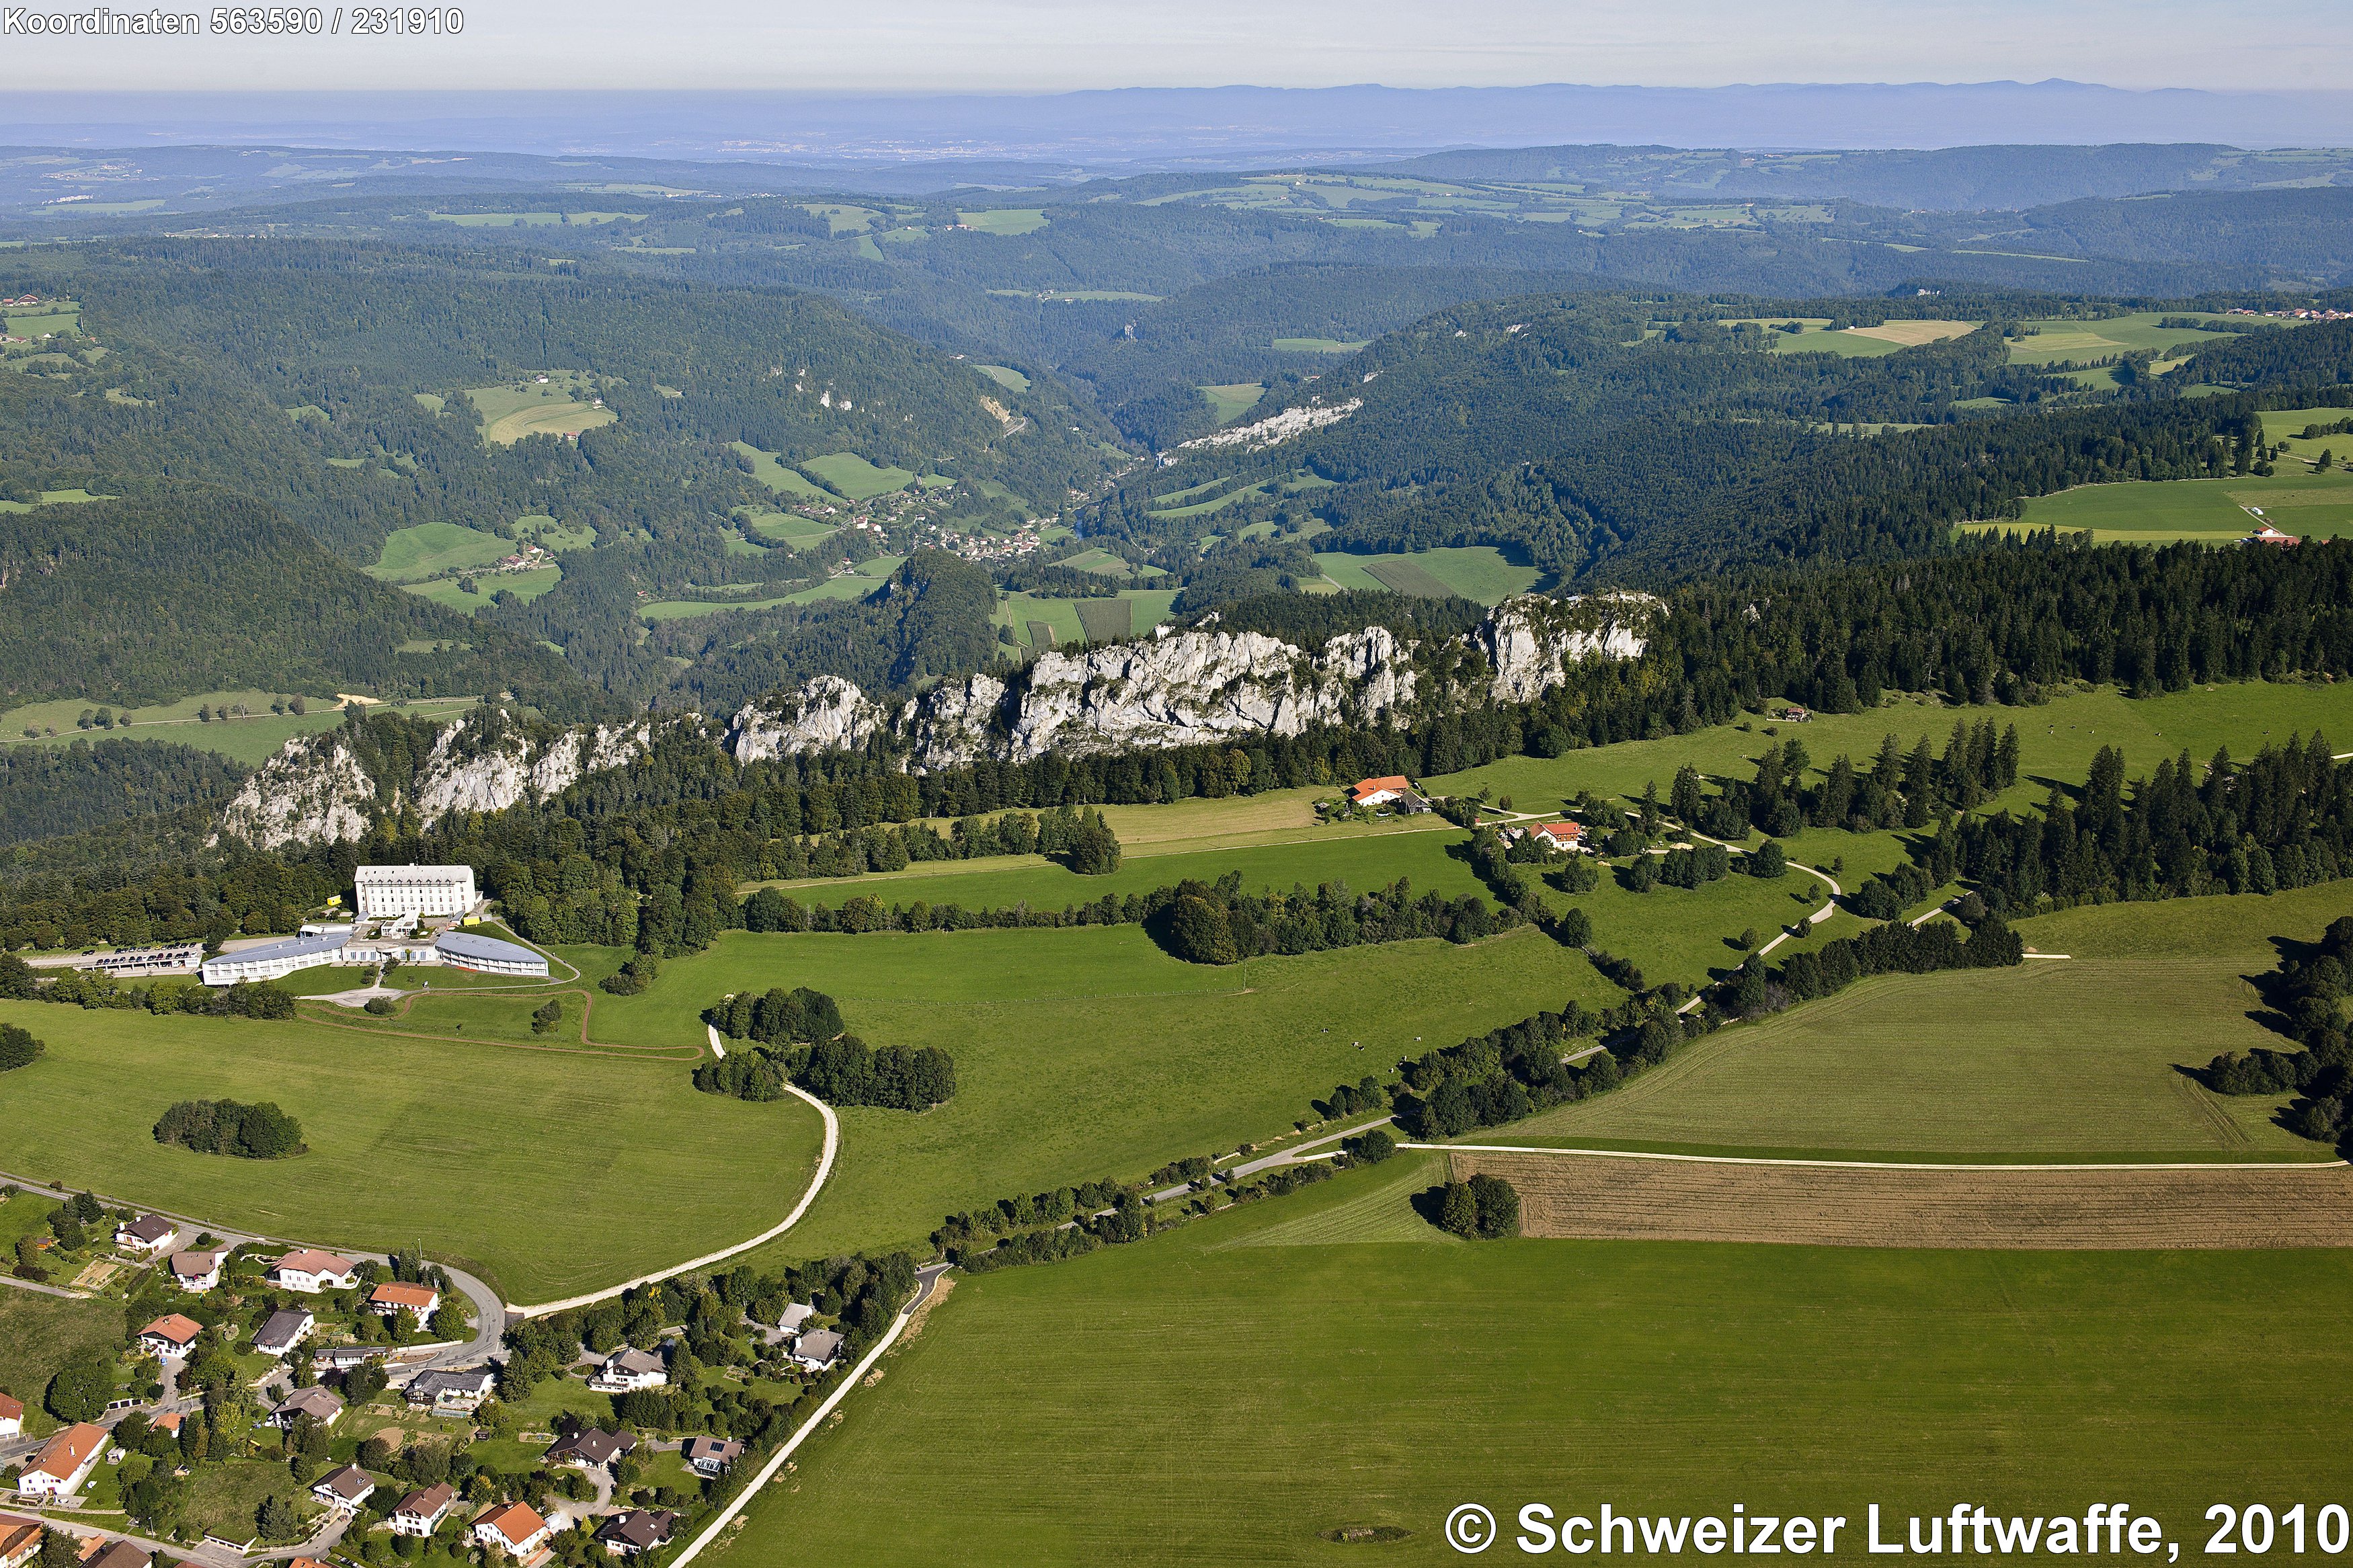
[260, 1132]
[17, 1048]
[803, 1043]
[1482, 1209]
[2308, 992]
[1202, 923]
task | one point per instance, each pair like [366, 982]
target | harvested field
[1405, 576]
[2117, 1208]
[1911, 334]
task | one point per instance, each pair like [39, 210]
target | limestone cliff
[1197, 688]
[312, 792]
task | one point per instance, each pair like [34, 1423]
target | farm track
[1595, 1195]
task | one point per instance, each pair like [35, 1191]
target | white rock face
[313, 791]
[489, 764]
[1277, 428]
[1532, 642]
[826, 714]
[956, 721]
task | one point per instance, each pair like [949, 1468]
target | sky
[1049, 46]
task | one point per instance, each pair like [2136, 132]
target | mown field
[2063, 340]
[1363, 1372]
[250, 739]
[2082, 1056]
[2295, 501]
[510, 413]
[1478, 572]
[1088, 1053]
[546, 1171]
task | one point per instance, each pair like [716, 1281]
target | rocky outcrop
[827, 715]
[312, 792]
[486, 761]
[1197, 688]
[1531, 642]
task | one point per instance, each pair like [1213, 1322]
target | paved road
[925, 1280]
[490, 1312]
[331, 1532]
[1295, 1156]
[38, 1288]
[1830, 906]
[816, 1185]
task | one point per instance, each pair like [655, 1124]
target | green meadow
[546, 1170]
[250, 740]
[1367, 1373]
[2295, 501]
[1233, 400]
[2060, 340]
[1006, 376]
[1087, 1052]
[450, 594]
[1134, 612]
[770, 471]
[849, 474]
[1480, 572]
[410, 553]
[1005, 220]
[560, 405]
[39, 1333]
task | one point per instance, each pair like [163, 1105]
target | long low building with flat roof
[275, 961]
[464, 950]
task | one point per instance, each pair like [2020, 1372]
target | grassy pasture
[1478, 572]
[2074, 1057]
[1005, 220]
[535, 220]
[1006, 376]
[1322, 345]
[1087, 1052]
[520, 409]
[688, 609]
[2056, 742]
[250, 740]
[40, 1334]
[793, 532]
[1233, 400]
[1038, 1412]
[418, 551]
[1815, 336]
[851, 475]
[524, 586]
[770, 471]
[1147, 608]
[2059, 340]
[547, 1170]
[50, 498]
[2295, 499]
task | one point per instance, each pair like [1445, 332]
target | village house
[1369, 792]
[710, 1456]
[627, 1369]
[514, 1528]
[116, 1554]
[12, 1416]
[590, 1447]
[64, 1462]
[795, 1314]
[817, 1349]
[148, 1234]
[636, 1530]
[320, 1404]
[344, 1490]
[1558, 836]
[20, 1541]
[344, 1358]
[455, 1392]
[282, 1331]
[309, 1271]
[197, 1270]
[2267, 535]
[421, 1512]
[393, 1296]
[170, 1335]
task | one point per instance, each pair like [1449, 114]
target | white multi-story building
[274, 961]
[428, 892]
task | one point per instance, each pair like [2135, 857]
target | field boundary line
[817, 1186]
[1882, 1165]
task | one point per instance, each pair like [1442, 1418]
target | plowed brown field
[2118, 1207]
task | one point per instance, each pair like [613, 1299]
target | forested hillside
[147, 597]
